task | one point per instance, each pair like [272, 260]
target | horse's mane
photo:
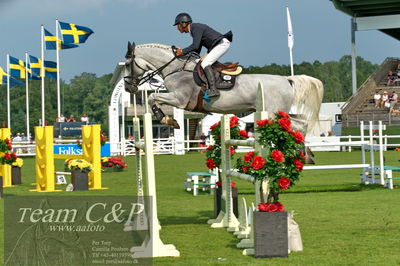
[154, 45]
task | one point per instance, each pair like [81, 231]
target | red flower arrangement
[213, 152]
[113, 162]
[6, 154]
[283, 164]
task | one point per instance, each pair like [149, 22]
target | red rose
[14, 155]
[243, 133]
[9, 146]
[277, 156]
[285, 124]
[7, 141]
[234, 121]
[219, 184]
[262, 123]
[210, 148]
[232, 150]
[279, 207]
[284, 183]
[211, 164]
[233, 184]
[272, 207]
[262, 207]
[248, 157]
[282, 114]
[257, 163]
[214, 126]
[299, 164]
[7, 156]
[298, 137]
[302, 155]
[245, 168]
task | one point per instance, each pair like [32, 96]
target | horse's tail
[308, 94]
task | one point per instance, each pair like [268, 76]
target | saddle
[225, 75]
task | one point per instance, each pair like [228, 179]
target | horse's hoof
[173, 123]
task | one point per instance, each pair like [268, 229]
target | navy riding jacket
[203, 35]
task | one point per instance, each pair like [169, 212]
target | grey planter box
[270, 234]
[218, 201]
[16, 175]
[79, 180]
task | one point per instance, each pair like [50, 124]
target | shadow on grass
[201, 218]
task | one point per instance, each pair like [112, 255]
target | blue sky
[259, 27]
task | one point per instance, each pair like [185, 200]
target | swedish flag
[13, 82]
[50, 69]
[35, 66]
[50, 40]
[74, 33]
[17, 68]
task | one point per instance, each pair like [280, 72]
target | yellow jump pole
[44, 163]
[91, 152]
[5, 169]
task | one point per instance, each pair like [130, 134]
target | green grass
[341, 222]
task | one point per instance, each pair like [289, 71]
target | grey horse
[299, 95]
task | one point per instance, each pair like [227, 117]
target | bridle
[135, 80]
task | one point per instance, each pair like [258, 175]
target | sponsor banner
[75, 230]
[73, 149]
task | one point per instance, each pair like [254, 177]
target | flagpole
[8, 93]
[58, 73]
[27, 95]
[42, 76]
[290, 39]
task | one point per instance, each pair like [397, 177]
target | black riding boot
[212, 90]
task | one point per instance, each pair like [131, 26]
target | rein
[136, 81]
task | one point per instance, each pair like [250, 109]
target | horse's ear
[129, 52]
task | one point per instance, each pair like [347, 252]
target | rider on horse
[216, 43]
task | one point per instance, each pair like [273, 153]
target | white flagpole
[42, 74]
[290, 39]
[8, 93]
[58, 73]
[27, 95]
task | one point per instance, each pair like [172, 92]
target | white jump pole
[153, 246]
[382, 163]
[372, 150]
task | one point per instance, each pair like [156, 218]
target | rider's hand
[178, 51]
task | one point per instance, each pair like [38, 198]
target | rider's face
[183, 27]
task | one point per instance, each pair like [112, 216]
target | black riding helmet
[182, 17]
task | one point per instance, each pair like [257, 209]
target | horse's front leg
[156, 100]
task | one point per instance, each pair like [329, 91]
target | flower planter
[16, 175]
[79, 180]
[217, 201]
[271, 234]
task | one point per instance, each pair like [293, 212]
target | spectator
[203, 139]
[85, 119]
[393, 99]
[395, 111]
[385, 100]
[71, 119]
[61, 118]
[377, 99]
[250, 133]
[17, 138]
[330, 133]
[390, 78]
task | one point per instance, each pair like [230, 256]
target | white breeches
[216, 53]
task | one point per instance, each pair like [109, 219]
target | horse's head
[132, 70]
